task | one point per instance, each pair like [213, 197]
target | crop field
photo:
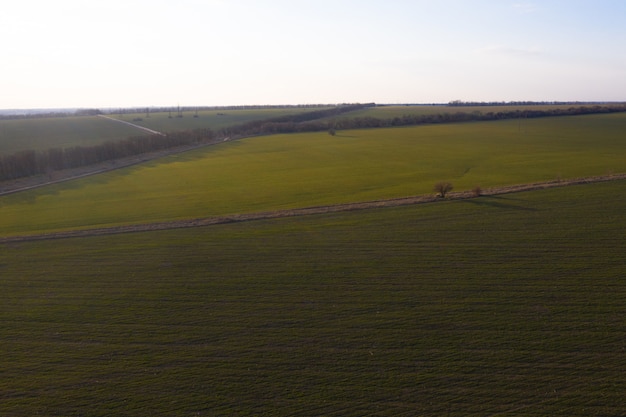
[212, 119]
[300, 170]
[387, 112]
[505, 305]
[59, 132]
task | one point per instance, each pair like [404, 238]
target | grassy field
[213, 119]
[510, 305]
[288, 171]
[59, 132]
[388, 112]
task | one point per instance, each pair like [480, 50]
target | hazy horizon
[139, 53]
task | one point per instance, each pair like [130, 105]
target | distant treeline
[30, 162]
[43, 114]
[132, 110]
[460, 103]
[40, 115]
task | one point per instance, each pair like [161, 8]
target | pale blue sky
[121, 53]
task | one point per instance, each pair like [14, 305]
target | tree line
[327, 119]
[461, 103]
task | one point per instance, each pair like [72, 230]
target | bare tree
[443, 188]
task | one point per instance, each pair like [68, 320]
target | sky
[140, 53]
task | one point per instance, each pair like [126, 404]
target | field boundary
[308, 211]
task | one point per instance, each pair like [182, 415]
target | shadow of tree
[499, 202]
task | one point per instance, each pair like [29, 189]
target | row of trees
[30, 162]
[461, 103]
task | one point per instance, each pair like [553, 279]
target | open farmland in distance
[309, 169]
[41, 133]
[499, 305]
[59, 132]
[215, 119]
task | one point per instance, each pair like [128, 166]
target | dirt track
[179, 224]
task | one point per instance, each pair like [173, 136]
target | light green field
[299, 170]
[508, 305]
[212, 119]
[60, 132]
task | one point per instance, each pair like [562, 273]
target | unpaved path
[306, 211]
[145, 129]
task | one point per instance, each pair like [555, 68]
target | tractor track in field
[305, 211]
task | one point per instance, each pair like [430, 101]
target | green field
[212, 119]
[299, 170]
[59, 132]
[505, 305]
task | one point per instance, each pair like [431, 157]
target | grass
[504, 304]
[59, 132]
[287, 171]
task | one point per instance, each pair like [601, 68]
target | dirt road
[145, 129]
[306, 211]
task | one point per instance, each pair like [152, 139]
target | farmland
[299, 170]
[505, 304]
[498, 305]
[390, 111]
[43, 133]
[214, 119]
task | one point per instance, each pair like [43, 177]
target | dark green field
[508, 305]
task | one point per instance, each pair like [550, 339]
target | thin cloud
[525, 8]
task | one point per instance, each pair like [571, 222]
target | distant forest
[30, 162]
